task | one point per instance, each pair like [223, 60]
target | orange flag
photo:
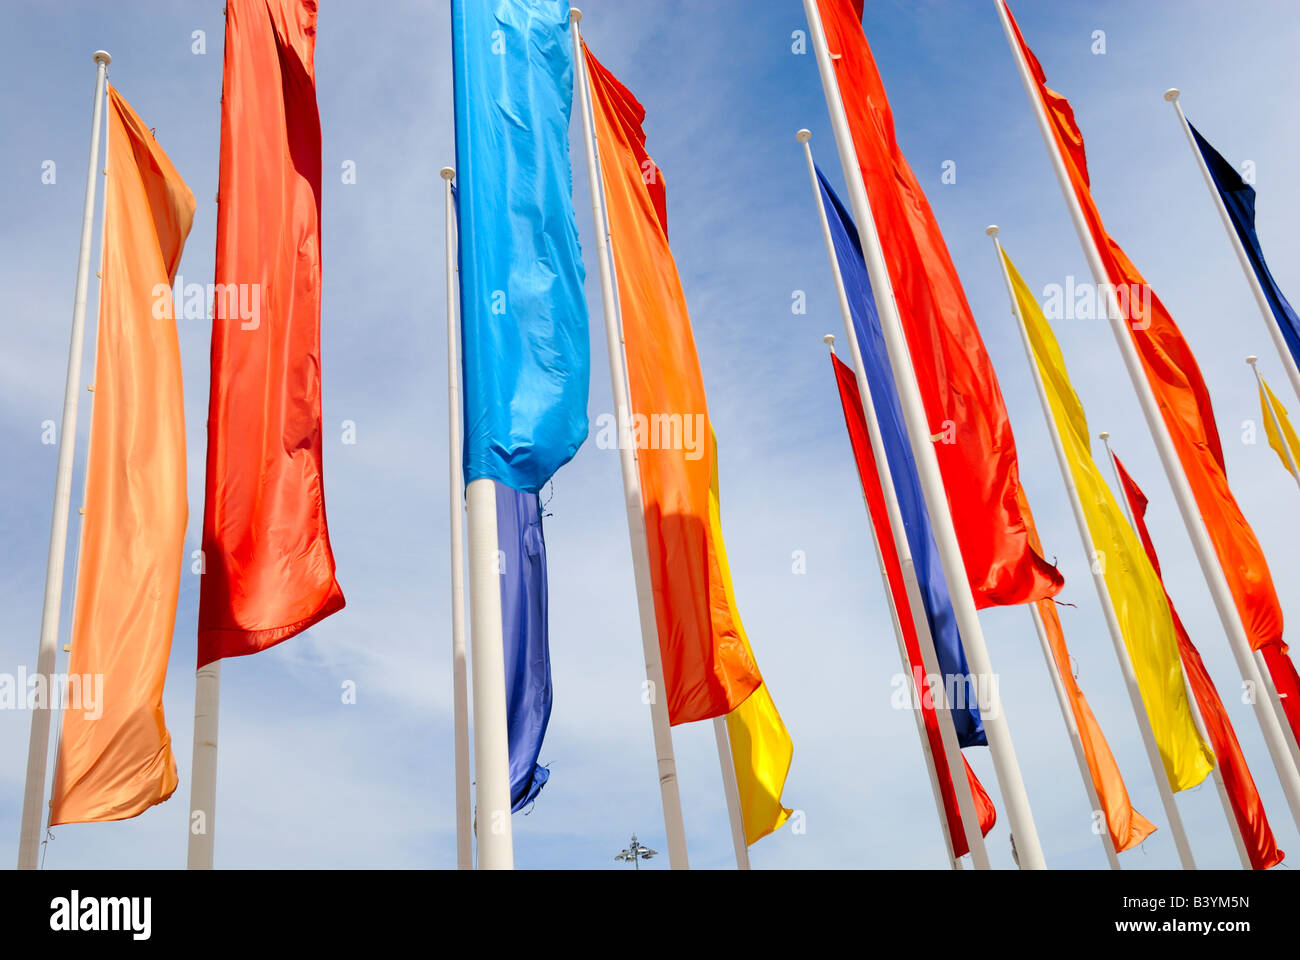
[708, 669]
[115, 756]
[1184, 402]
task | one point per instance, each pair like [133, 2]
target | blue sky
[306, 780]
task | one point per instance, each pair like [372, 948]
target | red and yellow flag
[115, 756]
[269, 569]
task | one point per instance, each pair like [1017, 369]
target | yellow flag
[1135, 588]
[761, 748]
[1288, 432]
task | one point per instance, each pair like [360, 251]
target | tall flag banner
[269, 569]
[524, 630]
[1239, 200]
[902, 466]
[526, 355]
[1185, 406]
[1281, 435]
[1247, 808]
[708, 668]
[1127, 827]
[115, 754]
[1135, 589]
[855, 419]
[963, 402]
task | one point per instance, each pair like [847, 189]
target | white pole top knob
[1252, 360]
[1105, 435]
[803, 136]
[1171, 94]
[829, 339]
[448, 173]
[575, 15]
[991, 229]
[102, 56]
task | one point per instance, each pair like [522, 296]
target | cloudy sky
[307, 780]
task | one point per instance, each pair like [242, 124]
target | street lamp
[635, 852]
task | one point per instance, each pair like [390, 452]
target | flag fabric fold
[1136, 592]
[115, 756]
[708, 668]
[963, 402]
[268, 565]
[525, 350]
[1281, 435]
[1243, 795]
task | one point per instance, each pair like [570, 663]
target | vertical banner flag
[523, 312]
[708, 668]
[1239, 200]
[524, 629]
[963, 402]
[1281, 435]
[907, 482]
[1184, 403]
[855, 419]
[1243, 796]
[115, 756]
[269, 569]
[1135, 589]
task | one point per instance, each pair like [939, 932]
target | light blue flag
[526, 354]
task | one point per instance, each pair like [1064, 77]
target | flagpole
[1287, 455]
[1256, 288]
[674, 827]
[1029, 853]
[902, 547]
[456, 500]
[732, 791]
[203, 768]
[931, 761]
[29, 838]
[1278, 741]
[1233, 827]
[1099, 580]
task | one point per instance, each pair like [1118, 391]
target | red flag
[965, 411]
[1247, 808]
[1184, 403]
[269, 569]
[856, 421]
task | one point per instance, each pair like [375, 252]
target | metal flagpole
[732, 791]
[674, 827]
[29, 837]
[1270, 321]
[1099, 580]
[1274, 735]
[931, 762]
[203, 768]
[1233, 827]
[1027, 848]
[925, 640]
[456, 519]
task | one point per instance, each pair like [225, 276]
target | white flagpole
[925, 640]
[456, 519]
[1099, 580]
[1265, 710]
[203, 768]
[1026, 846]
[732, 791]
[1287, 455]
[1233, 827]
[674, 827]
[1256, 288]
[931, 761]
[29, 838]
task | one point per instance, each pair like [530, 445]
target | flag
[708, 668]
[1284, 440]
[268, 567]
[907, 482]
[1239, 200]
[965, 412]
[1184, 403]
[523, 310]
[1136, 592]
[115, 756]
[522, 559]
[855, 420]
[1243, 796]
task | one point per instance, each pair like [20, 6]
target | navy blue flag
[907, 483]
[1239, 199]
[527, 648]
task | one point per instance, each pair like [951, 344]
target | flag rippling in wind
[1281, 435]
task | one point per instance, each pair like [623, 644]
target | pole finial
[1105, 435]
[829, 340]
[102, 56]
[575, 15]
[991, 229]
[803, 136]
[1171, 94]
[1252, 360]
[448, 173]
